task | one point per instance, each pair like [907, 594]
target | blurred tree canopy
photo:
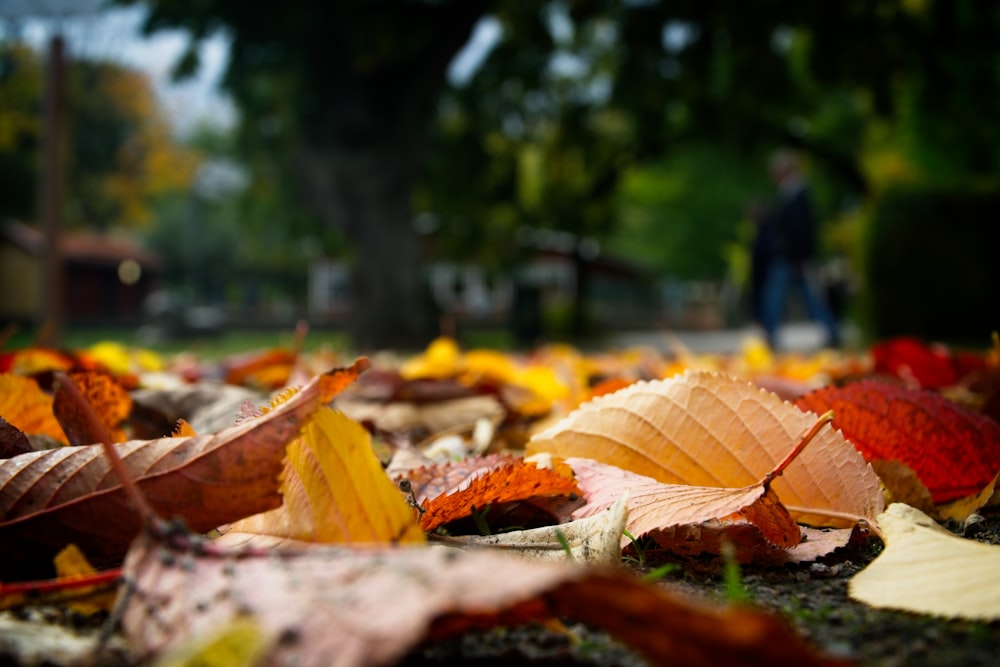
[120, 157]
[592, 117]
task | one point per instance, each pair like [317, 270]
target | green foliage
[930, 263]
[20, 101]
[682, 215]
[649, 135]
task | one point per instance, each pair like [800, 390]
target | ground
[812, 597]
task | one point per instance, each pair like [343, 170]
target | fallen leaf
[595, 540]
[709, 429]
[109, 400]
[70, 564]
[334, 490]
[208, 406]
[515, 479]
[961, 509]
[266, 370]
[915, 362]
[689, 519]
[25, 406]
[32, 360]
[902, 485]
[68, 495]
[955, 452]
[12, 440]
[360, 607]
[928, 570]
[424, 417]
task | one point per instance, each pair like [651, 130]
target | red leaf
[915, 362]
[955, 452]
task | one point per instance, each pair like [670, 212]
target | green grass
[209, 347]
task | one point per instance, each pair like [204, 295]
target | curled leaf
[595, 540]
[515, 479]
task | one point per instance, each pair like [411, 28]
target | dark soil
[811, 597]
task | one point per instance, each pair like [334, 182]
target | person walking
[789, 230]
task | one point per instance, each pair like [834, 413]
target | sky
[115, 34]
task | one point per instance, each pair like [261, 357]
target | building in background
[106, 279]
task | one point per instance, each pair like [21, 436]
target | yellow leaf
[336, 491]
[442, 359]
[183, 429]
[241, 642]
[71, 563]
[928, 570]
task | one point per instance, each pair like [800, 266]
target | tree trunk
[367, 194]
[367, 137]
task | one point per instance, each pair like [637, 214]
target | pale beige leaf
[928, 570]
[595, 540]
[431, 417]
[690, 519]
[346, 607]
[710, 429]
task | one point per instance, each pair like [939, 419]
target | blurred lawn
[209, 347]
[237, 340]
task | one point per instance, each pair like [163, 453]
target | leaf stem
[139, 501]
[822, 421]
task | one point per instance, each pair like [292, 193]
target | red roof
[80, 246]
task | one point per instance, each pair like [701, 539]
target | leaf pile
[693, 456]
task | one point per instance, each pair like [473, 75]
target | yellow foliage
[335, 491]
[71, 563]
[121, 359]
[442, 359]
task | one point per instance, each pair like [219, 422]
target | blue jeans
[781, 276]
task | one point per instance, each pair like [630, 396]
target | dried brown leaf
[68, 495]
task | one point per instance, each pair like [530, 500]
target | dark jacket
[792, 226]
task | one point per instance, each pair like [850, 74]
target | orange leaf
[110, 401]
[955, 452]
[51, 498]
[512, 480]
[25, 406]
[33, 360]
[709, 429]
[265, 370]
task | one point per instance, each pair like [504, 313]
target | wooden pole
[53, 293]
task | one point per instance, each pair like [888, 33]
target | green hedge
[932, 264]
